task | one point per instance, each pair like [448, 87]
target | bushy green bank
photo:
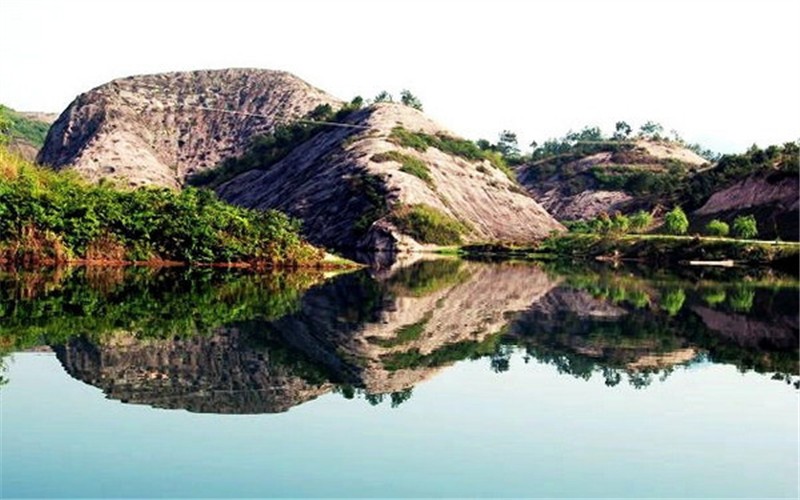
[50, 216]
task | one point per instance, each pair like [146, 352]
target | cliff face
[774, 200]
[346, 188]
[158, 129]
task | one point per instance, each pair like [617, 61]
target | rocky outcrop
[774, 200]
[345, 190]
[159, 129]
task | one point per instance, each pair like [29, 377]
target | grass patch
[428, 225]
[450, 145]
[409, 164]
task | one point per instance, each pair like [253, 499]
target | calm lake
[438, 378]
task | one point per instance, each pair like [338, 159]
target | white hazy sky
[723, 73]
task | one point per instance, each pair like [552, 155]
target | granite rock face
[340, 184]
[159, 129]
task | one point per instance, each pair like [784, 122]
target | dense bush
[15, 126]
[49, 215]
[717, 228]
[745, 227]
[676, 222]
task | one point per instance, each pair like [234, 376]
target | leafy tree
[410, 100]
[651, 129]
[357, 102]
[717, 228]
[745, 227]
[383, 96]
[622, 131]
[676, 221]
[508, 145]
[640, 221]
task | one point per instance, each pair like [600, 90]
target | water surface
[445, 378]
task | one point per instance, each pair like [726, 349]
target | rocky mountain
[383, 177]
[392, 180]
[159, 129]
[587, 181]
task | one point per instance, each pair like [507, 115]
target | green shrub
[717, 228]
[672, 301]
[745, 227]
[676, 221]
[428, 225]
[640, 221]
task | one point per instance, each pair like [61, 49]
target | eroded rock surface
[159, 129]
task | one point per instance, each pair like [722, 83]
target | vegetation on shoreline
[48, 216]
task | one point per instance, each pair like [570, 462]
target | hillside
[393, 180]
[159, 129]
[588, 179]
[26, 132]
[577, 179]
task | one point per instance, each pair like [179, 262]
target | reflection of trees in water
[750, 324]
[616, 325]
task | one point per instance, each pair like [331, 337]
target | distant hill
[579, 178]
[26, 131]
[589, 178]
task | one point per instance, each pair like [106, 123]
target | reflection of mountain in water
[380, 336]
[219, 373]
[265, 345]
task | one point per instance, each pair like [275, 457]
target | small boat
[717, 263]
